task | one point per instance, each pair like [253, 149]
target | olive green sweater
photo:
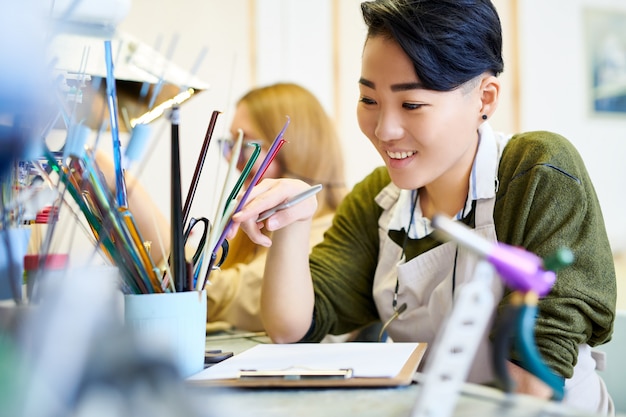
[545, 200]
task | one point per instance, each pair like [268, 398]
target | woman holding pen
[428, 86]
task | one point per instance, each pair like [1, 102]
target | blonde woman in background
[313, 154]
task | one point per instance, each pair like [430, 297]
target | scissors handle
[197, 256]
[207, 226]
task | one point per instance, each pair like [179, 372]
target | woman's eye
[366, 100]
[412, 106]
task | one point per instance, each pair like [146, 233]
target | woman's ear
[489, 91]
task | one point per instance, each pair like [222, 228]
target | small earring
[484, 117]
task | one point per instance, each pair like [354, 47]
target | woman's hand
[287, 290]
[265, 195]
[527, 383]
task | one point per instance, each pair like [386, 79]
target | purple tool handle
[521, 270]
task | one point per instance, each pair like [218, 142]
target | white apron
[425, 285]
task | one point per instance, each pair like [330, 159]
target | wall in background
[226, 29]
[555, 95]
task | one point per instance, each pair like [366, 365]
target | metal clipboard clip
[296, 374]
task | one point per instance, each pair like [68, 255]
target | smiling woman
[395, 104]
[428, 85]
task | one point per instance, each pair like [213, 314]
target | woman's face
[243, 121]
[425, 137]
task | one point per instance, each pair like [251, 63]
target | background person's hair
[449, 41]
[314, 153]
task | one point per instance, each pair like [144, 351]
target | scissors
[196, 259]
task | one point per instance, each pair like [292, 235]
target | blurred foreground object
[71, 355]
[91, 17]
[148, 83]
[455, 347]
[25, 87]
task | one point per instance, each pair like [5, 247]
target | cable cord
[395, 315]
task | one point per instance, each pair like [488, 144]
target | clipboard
[316, 365]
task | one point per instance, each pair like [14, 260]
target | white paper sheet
[367, 360]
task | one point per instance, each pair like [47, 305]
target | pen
[291, 202]
[223, 201]
[199, 164]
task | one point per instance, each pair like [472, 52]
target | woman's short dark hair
[449, 41]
